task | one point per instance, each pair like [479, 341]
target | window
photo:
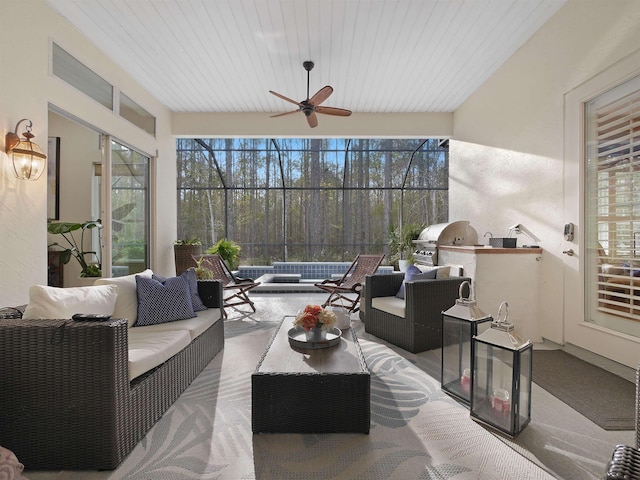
[308, 199]
[130, 210]
[130, 110]
[67, 68]
[613, 208]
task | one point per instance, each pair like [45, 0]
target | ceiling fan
[311, 106]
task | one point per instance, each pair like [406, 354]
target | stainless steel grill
[452, 233]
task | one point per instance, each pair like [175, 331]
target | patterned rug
[416, 431]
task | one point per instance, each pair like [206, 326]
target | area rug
[603, 397]
[417, 431]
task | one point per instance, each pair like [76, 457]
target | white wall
[507, 162]
[26, 88]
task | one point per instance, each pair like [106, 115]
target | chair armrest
[325, 282]
[431, 297]
[242, 279]
[63, 383]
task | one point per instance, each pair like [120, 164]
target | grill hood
[452, 233]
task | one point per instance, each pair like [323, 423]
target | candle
[465, 381]
[500, 402]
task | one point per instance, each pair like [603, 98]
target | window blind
[613, 202]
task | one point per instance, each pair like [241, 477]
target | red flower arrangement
[313, 316]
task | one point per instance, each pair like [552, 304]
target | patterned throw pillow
[190, 276]
[414, 273]
[160, 302]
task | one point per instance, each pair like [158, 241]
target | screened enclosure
[308, 199]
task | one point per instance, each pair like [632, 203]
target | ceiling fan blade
[333, 111]
[284, 98]
[321, 95]
[285, 113]
[312, 120]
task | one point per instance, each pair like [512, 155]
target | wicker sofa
[67, 400]
[414, 323]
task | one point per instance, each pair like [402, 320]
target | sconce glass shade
[28, 160]
[26, 157]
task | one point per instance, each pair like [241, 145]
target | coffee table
[311, 391]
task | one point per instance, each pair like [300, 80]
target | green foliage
[188, 241]
[201, 272]
[401, 240]
[228, 250]
[75, 249]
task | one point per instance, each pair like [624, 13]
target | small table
[311, 391]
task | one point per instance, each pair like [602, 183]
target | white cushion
[127, 304]
[392, 305]
[195, 326]
[55, 302]
[147, 349]
[443, 272]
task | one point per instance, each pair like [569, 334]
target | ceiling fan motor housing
[307, 109]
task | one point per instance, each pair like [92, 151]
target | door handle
[569, 252]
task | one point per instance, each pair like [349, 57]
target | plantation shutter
[613, 203]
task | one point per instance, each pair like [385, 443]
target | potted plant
[183, 250]
[206, 289]
[201, 272]
[401, 243]
[75, 249]
[228, 250]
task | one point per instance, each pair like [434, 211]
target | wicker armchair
[421, 327]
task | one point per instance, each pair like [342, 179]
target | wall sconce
[27, 158]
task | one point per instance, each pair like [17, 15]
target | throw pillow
[127, 304]
[443, 272]
[414, 273]
[160, 302]
[55, 302]
[190, 276]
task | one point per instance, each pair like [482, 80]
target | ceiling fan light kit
[311, 106]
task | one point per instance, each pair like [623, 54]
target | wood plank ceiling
[379, 55]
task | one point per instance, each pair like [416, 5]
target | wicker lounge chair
[235, 289]
[346, 291]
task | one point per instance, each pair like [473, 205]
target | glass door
[129, 199]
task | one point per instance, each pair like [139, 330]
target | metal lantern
[459, 325]
[501, 377]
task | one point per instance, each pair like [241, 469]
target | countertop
[482, 249]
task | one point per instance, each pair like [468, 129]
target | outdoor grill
[452, 233]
